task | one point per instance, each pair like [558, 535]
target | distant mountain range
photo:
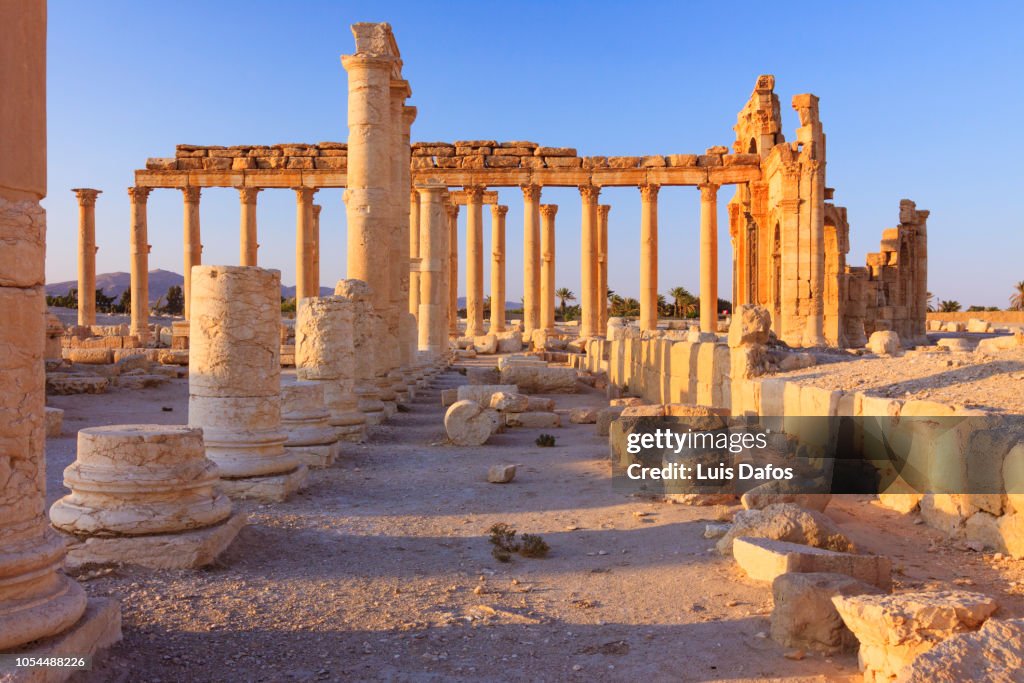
[114, 284]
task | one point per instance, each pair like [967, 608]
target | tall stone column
[814, 334]
[498, 213]
[434, 297]
[531, 259]
[588, 261]
[368, 197]
[414, 252]
[193, 240]
[249, 244]
[325, 352]
[649, 256]
[234, 380]
[453, 269]
[314, 258]
[86, 255]
[371, 394]
[402, 118]
[474, 261]
[547, 266]
[602, 268]
[709, 258]
[303, 242]
[36, 599]
[139, 248]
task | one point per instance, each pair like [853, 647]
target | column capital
[248, 194]
[531, 193]
[474, 193]
[603, 209]
[548, 210]
[190, 193]
[408, 115]
[499, 210]
[316, 210]
[589, 193]
[400, 87]
[649, 192]
[453, 210]
[358, 62]
[708, 192]
[139, 194]
[86, 196]
[304, 194]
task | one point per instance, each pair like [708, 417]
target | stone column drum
[305, 420]
[235, 380]
[86, 255]
[145, 495]
[325, 354]
[364, 322]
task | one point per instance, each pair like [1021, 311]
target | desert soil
[381, 569]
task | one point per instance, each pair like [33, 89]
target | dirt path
[381, 570]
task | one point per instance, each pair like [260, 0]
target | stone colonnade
[37, 601]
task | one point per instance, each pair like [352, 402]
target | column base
[185, 550]
[316, 455]
[274, 488]
[97, 629]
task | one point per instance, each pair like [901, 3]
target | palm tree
[930, 301]
[662, 304]
[1017, 300]
[564, 294]
[949, 306]
[680, 297]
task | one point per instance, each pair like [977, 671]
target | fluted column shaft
[86, 255]
[531, 258]
[649, 257]
[547, 266]
[139, 248]
[709, 258]
[474, 261]
[193, 250]
[249, 245]
[588, 261]
[303, 242]
[602, 268]
[433, 249]
[498, 213]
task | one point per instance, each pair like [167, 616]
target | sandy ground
[381, 570]
[994, 383]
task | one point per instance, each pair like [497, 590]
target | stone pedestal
[311, 438]
[234, 380]
[366, 325]
[145, 495]
[325, 354]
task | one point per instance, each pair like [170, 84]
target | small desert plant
[545, 441]
[503, 538]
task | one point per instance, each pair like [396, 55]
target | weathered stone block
[804, 616]
[764, 559]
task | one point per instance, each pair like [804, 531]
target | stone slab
[272, 489]
[98, 629]
[764, 559]
[316, 456]
[185, 550]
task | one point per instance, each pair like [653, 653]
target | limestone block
[510, 342]
[884, 343]
[656, 410]
[532, 379]
[275, 488]
[22, 244]
[1013, 477]
[483, 376]
[1011, 531]
[501, 474]
[173, 357]
[994, 345]
[523, 359]
[895, 629]
[934, 325]
[482, 393]
[786, 522]
[131, 480]
[141, 381]
[539, 403]
[533, 420]
[304, 418]
[764, 559]
[449, 396]
[605, 417]
[54, 422]
[507, 402]
[485, 344]
[63, 384]
[995, 652]
[89, 356]
[750, 324]
[803, 615]
[796, 361]
[230, 354]
[956, 344]
[583, 416]
[468, 423]
[803, 494]
[953, 326]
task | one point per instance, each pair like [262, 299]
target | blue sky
[918, 100]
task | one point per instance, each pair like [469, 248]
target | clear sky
[919, 100]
